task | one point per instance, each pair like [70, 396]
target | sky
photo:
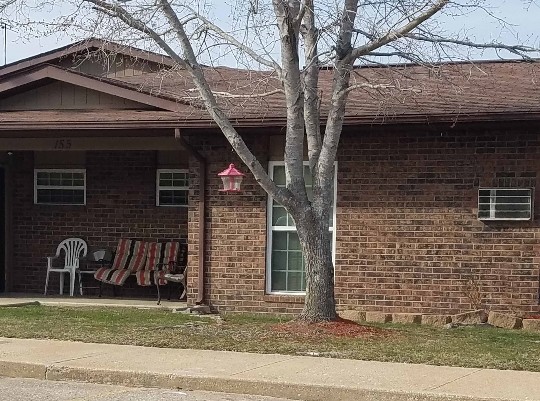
[522, 16]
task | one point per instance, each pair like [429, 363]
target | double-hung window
[60, 186]
[172, 187]
[285, 263]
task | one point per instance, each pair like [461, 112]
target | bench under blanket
[130, 256]
[148, 261]
[158, 260]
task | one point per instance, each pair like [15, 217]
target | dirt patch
[337, 328]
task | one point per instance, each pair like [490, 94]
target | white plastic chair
[74, 249]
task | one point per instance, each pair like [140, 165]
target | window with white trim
[505, 203]
[60, 186]
[285, 263]
[172, 187]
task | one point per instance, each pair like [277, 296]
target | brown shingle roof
[399, 93]
[449, 91]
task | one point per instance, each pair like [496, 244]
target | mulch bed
[532, 317]
[337, 328]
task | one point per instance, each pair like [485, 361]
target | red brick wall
[408, 239]
[408, 236]
[121, 202]
[235, 234]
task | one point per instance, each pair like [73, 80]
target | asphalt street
[44, 390]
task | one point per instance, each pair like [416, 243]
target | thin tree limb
[351, 88]
[520, 50]
[235, 42]
[137, 24]
[237, 96]
[399, 33]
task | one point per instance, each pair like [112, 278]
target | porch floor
[18, 299]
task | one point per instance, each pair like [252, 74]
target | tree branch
[236, 96]
[236, 141]
[232, 40]
[399, 33]
[191, 64]
[137, 24]
[519, 50]
[6, 3]
[379, 86]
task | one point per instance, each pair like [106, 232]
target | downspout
[201, 207]
[8, 223]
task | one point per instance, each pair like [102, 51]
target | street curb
[23, 369]
[293, 391]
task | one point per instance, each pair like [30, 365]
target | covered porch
[101, 186]
[91, 148]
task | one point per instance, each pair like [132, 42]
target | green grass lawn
[466, 346]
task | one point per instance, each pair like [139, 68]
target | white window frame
[270, 229]
[58, 170]
[158, 188]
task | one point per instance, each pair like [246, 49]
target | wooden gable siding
[111, 66]
[64, 96]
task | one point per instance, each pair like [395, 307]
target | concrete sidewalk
[294, 377]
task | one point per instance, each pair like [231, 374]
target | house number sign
[60, 144]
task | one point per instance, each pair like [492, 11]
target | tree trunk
[316, 243]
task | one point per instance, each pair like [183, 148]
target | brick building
[435, 180]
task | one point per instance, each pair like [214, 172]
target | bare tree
[294, 39]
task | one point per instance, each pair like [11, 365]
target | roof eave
[264, 123]
[444, 118]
